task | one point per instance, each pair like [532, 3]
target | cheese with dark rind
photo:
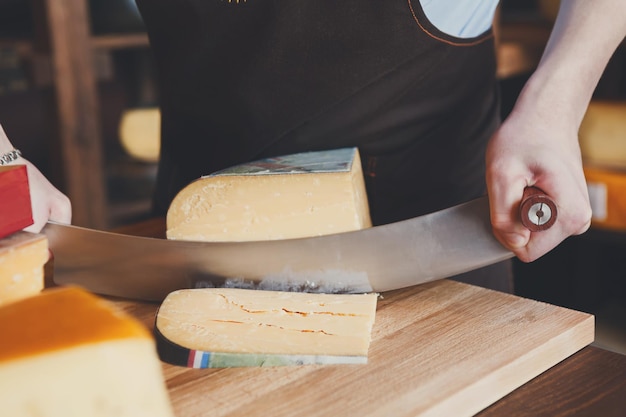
[227, 327]
[22, 259]
[300, 195]
[66, 352]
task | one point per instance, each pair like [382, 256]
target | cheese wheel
[602, 135]
[22, 259]
[140, 133]
[607, 194]
[228, 327]
[66, 352]
[300, 195]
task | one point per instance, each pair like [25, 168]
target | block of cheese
[300, 195]
[602, 135]
[22, 259]
[66, 352]
[229, 327]
[607, 194]
[15, 208]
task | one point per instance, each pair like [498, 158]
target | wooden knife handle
[537, 211]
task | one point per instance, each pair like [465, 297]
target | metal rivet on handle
[537, 210]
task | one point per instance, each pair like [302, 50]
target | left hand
[47, 202]
[536, 150]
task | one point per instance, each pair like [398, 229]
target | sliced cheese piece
[602, 135]
[66, 352]
[607, 194]
[15, 207]
[22, 259]
[300, 195]
[227, 327]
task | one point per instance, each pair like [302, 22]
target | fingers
[61, 209]
[504, 210]
[574, 217]
[47, 202]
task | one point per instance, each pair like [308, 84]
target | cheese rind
[300, 195]
[22, 259]
[15, 205]
[178, 355]
[69, 353]
[264, 326]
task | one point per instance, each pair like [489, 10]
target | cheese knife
[381, 258]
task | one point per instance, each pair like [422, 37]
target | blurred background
[78, 97]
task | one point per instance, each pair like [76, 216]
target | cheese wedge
[300, 195]
[228, 327]
[68, 353]
[22, 259]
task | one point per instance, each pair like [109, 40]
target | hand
[538, 143]
[536, 150]
[47, 202]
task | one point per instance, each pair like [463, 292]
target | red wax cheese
[15, 208]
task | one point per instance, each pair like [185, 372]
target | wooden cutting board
[438, 349]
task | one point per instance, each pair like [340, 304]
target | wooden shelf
[64, 54]
[120, 41]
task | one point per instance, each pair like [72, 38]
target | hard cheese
[22, 259]
[607, 194]
[67, 353]
[300, 195]
[602, 135]
[229, 327]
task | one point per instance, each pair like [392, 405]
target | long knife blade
[381, 258]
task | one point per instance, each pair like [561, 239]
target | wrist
[9, 157]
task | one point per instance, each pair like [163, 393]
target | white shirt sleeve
[460, 18]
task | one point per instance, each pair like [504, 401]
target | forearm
[584, 37]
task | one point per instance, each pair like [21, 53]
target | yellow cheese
[602, 135]
[22, 259]
[607, 193]
[66, 352]
[140, 134]
[301, 195]
[249, 327]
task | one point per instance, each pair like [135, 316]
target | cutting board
[438, 349]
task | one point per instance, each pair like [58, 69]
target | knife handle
[537, 211]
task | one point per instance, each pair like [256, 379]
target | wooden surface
[442, 348]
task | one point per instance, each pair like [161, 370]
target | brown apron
[247, 79]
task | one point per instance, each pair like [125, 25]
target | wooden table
[592, 382]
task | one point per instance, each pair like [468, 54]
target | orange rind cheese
[66, 352]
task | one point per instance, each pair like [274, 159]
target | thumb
[60, 208]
